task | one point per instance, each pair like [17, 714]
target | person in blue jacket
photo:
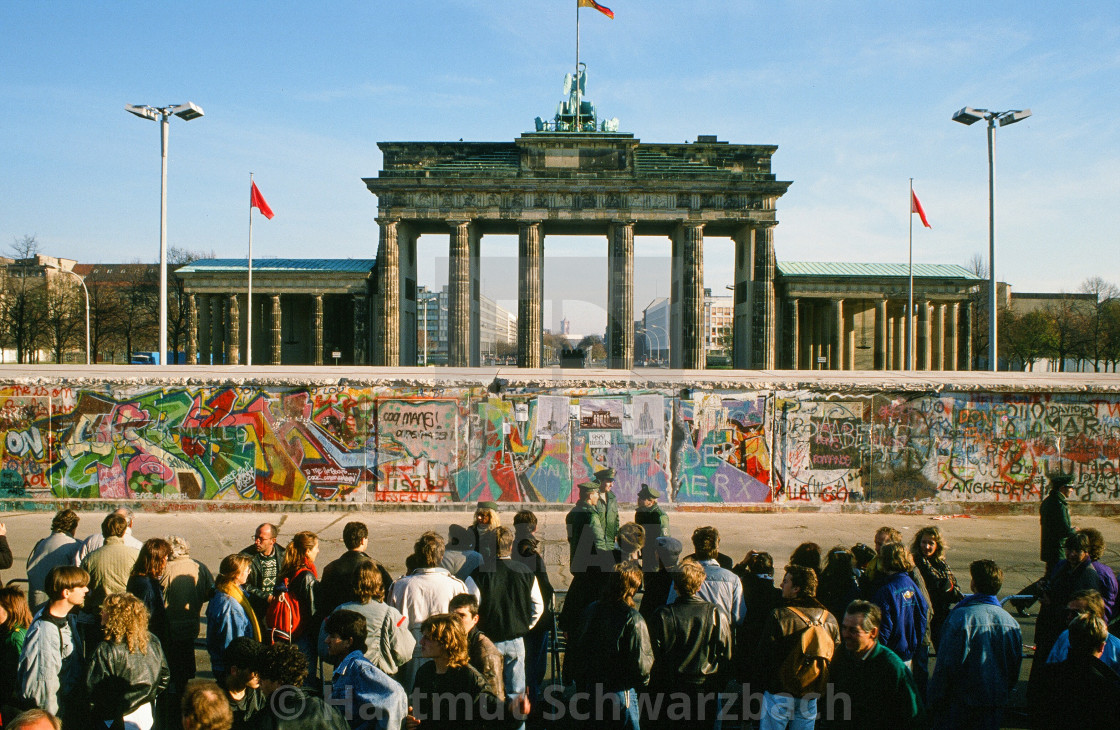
[229, 614]
[905, 611]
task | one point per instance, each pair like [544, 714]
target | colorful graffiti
[367, 444]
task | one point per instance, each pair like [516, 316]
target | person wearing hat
[584, 517]
[1053, 518]
[650, 515]
[482, 531]
[607, 507]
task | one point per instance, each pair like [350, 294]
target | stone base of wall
[195, 506]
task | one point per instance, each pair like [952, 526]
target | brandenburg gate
[569, 183]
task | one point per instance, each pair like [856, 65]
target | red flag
[916, 207]
[256, 200]
[601, 8]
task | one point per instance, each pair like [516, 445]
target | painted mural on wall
[341, 443]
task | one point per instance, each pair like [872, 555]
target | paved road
[1011, 541]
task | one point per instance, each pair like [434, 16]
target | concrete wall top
[819, 381]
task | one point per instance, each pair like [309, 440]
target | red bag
[282, 618]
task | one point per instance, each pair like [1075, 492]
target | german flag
[601, 8]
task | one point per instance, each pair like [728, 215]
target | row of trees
[1082, 330]
[42, 312]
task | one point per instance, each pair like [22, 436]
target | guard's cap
[605, 475]
[669, 549]
[588, 487]
[488, 505]
[1059, 481]
[648, 492]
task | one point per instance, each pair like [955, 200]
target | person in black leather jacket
[128, 670]
[691, 641]
[611, 653]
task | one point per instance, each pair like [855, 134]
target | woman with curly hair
[15, 620]
[128, 670]
[144, 583]
[928, 550]
[299, 576]
[229, 614]
[444, 642]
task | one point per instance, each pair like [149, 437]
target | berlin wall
[322, 435]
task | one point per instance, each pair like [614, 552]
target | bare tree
[1103, 292]
[22, 306]
[63, 317]
[177, 297]
[978, 309]
[105, 319]
[1069, 316]
[24, 248]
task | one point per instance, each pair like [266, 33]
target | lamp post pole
[967, 116]
[186, 112]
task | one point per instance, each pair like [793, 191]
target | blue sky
[858, 97]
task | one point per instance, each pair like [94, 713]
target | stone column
[387, 350]
[966, 336]
[951, 362]
[692, 296]
[276, 339]
[233, 339]
[836, 335]
[192, 331]
[620, 295]
[459, 296]
[900, 339]
[880, 335]
[764, 302]
[937, 337]
[924, 337]
[317, 326]
[530, 294]
[742, 339]
[794, 333]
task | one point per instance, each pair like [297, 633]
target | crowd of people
[836, 638]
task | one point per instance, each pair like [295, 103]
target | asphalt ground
[1012, 541]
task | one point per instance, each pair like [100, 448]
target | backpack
[805, 669]
[282, 617]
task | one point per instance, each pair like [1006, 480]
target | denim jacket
[979, 655]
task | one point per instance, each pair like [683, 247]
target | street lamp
[185, 112]
[968, 116]
[659, 348]
[86, 291]
[648, 341]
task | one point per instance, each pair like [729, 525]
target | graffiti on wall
[820, 449]
[341, 443]
[720, 449]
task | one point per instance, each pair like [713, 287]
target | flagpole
[249, 298]
[910, 306]
[577, 67]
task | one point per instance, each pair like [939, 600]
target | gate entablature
[598, 183]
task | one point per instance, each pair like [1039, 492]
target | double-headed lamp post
[186, 112]
[967, 116]
[86, 292]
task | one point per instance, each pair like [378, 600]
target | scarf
[238, 595]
